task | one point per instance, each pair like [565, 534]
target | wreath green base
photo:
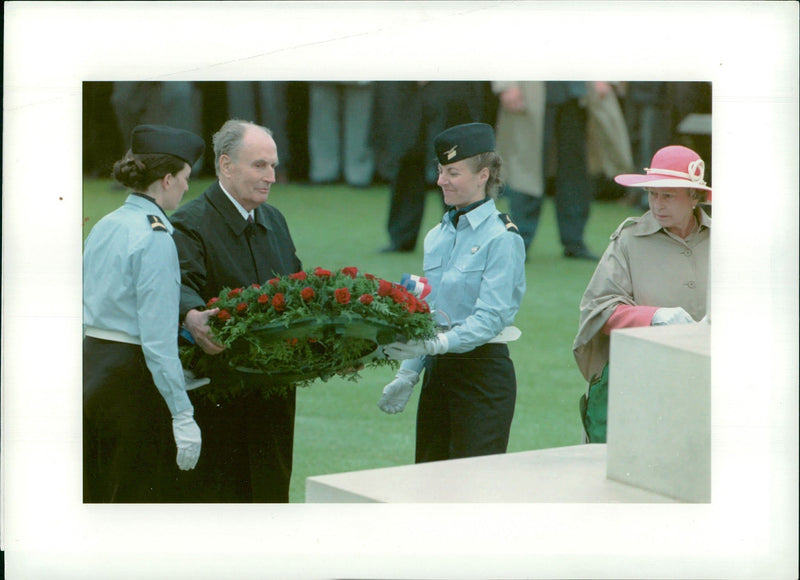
[296, 355]
[304, 327]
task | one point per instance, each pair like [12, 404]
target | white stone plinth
[659, 410]
[562, 474]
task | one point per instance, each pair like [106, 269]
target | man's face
[250, 173]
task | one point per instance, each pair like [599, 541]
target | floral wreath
[308, 325]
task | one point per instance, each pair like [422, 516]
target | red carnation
[421, 306]
[366, 299]
[292, 341]
[307, 294]
[234, 293]
[263, 299]
[241, 308]
[342, 295]
[384, 288]
[399, 295]
[350, 271]
[370, 277]
[213, 301]
[224, 315]
[279, 302]
[256, 286]
[322, 273]
[273, 281]
[298, 276]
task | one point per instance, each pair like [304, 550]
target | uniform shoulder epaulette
[157, 224]
[510, 226]
[628, 222]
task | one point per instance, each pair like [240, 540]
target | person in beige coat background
[531, 151]
[520, 142]
[654, 271]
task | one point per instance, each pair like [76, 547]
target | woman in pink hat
[654, 271]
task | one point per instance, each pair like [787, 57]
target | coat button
[691, 284]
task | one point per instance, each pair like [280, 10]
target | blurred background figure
[520, 142]
[566, 164]
[411, 114]
[263, 103]
[400, 124]
[339, 127]
[174, 103]
[542, 132]
[607, 140]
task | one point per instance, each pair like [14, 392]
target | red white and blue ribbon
[417, 285]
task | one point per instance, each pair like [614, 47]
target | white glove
[187, 439]
[397, 393]
[415, 348]
[675, 315]
[193, 382]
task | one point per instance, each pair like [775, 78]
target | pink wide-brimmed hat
[672, 166]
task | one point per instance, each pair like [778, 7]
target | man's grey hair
[229, 138]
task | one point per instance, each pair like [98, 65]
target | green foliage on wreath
[309, 325]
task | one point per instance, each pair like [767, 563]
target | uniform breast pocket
[469, 274]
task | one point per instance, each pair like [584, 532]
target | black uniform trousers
[128, 448]
[466, 404]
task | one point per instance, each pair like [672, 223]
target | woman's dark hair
[494, 162]
[138, 172]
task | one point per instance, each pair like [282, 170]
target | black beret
[462, 141]
[162, 139]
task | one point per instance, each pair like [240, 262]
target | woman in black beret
[133, 383]
[475, 264]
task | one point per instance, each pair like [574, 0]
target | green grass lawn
[339, 426]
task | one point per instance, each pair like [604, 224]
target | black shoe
[392, 249]
[580, 254]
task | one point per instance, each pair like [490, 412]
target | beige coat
[608, 143]
[643, 265]
[520, 138]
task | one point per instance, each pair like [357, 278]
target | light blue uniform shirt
[477, 275]
[131, 284]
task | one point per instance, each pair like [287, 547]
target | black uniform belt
[489, 350]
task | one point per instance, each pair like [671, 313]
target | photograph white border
[748, 50]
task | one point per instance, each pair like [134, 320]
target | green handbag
[594, 409]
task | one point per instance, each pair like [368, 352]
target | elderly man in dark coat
[230, 237]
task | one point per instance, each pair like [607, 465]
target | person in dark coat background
[565, 149]
[230, 237]
[410, 115]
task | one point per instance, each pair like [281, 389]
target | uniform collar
[147, 203]
[474, 213]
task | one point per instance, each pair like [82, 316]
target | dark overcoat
[247, 442]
